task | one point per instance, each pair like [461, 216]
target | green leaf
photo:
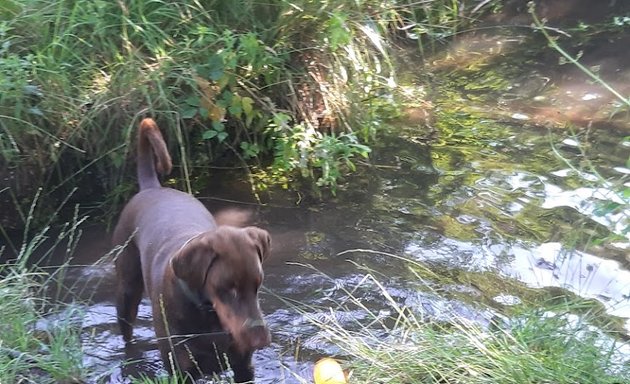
[235, 106]
[193, 101]
[189, 112]
[249, 44]
[222, 136]
[209, 134]
[247, 104]
[218, 126]
[216, 75]
[117, 160]
[249, 150]
[338, 32]
[235, 110]
[215, 67]
[226, 97]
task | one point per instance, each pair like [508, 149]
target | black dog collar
[202, 302]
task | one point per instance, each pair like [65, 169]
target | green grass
[33, 347]
[176, 379]
[545, 343]
[40, 332]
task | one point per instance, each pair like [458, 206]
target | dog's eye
[229, 294]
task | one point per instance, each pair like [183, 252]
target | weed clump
[538, 346]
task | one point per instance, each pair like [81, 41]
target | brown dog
[202, 278]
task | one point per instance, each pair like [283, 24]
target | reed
[552, 342]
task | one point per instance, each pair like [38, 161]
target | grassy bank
[34, 348]
[40, 334]
[553, 342]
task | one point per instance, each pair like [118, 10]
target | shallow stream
[497, 200]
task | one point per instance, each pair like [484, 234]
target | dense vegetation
[285, 88]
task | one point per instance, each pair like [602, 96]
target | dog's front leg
[129, 289]
[242, 367]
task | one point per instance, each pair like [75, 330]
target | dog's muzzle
[257, 333]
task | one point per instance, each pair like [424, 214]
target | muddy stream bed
[499, 206]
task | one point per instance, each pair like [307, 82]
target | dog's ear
[262, 241]
[193, 261]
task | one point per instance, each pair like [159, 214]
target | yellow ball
[328, 371]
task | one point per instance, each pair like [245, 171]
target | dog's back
[167, 212]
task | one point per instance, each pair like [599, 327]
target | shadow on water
[501, 207]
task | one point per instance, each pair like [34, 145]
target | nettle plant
[320, 157]
[227, 102]
[232, 106]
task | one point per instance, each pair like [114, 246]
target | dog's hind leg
[129, 289]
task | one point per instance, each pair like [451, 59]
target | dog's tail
[151, 149]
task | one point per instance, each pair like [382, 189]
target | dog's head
[225, 265]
